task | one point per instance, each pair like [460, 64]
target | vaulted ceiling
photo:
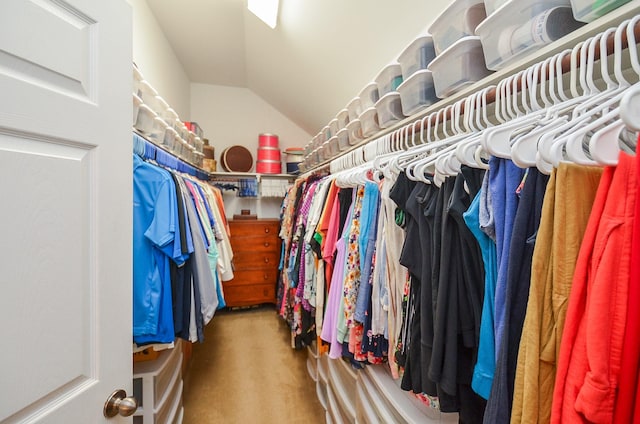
[320, 55]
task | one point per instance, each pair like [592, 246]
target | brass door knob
[119, 403]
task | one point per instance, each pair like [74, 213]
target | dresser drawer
[255, 260]
[249, 295]
[254, 228]
[243, 277]
[253, 244]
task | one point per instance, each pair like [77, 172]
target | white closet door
[65, 208]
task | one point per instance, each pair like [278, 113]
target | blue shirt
[504, 179]
[154, 229]
[486, 363]
[368, 233]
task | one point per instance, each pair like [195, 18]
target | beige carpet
[246, 372]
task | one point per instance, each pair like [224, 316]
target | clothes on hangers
[181, 254]
[591, 348]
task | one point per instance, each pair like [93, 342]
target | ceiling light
[267, 10]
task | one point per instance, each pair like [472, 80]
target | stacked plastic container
[158, 122]
[460, 60]
[518, 27]
[389, 106]
[354, 127]
[466, 42]
[369, 116]
[417, 90]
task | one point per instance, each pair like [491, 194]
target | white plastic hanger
[497, 140]
[470, 151]
[604, 145]
[595, 113]
[554, 131]
[574, 145]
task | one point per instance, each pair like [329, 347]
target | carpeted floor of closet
[247, 372]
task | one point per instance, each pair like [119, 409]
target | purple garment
[330, 325]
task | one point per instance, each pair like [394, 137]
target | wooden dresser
[256, 255]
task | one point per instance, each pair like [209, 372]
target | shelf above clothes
[612, 19]
[148, 150]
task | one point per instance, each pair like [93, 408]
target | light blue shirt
[154, 228]
[486, 364]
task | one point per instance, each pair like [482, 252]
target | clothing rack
[147, 150]
[417, 123]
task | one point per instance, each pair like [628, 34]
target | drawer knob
[267, 244]
[266, 260]
[266, 277]
[266, 230]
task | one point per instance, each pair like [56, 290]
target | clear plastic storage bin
[369, 96]
[389, 79]
[326, 133]
[157, 132]
[389, 109]
[170, 139]
[161, 106]
[334, 149]
[343, 119]
[354, 128]
[417, 92]
[325, 151]
[137, 102]
[170, 117]
[148, 95]
[459, 20]
[369, 122]
[416, 56]
[519, 27]
[460, 65]
[343, 139]
[144, 120]
[333, 127]
[590, 10]
[137, 79]
[354, 108]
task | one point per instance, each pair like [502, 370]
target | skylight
[266, 10]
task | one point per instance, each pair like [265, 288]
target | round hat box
[294, 155]
[268, 140]
[269, 153]
[236, 159]
[269, 167]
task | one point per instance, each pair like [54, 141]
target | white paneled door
[65, 209]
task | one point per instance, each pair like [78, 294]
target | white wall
[232, 115]
[158, 62]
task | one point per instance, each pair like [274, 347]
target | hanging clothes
[588, 367]
[564, 218]
[181, 246]
[523, 237]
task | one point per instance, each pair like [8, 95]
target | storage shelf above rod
[612, 19]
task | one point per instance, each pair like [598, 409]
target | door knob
[119, 403]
